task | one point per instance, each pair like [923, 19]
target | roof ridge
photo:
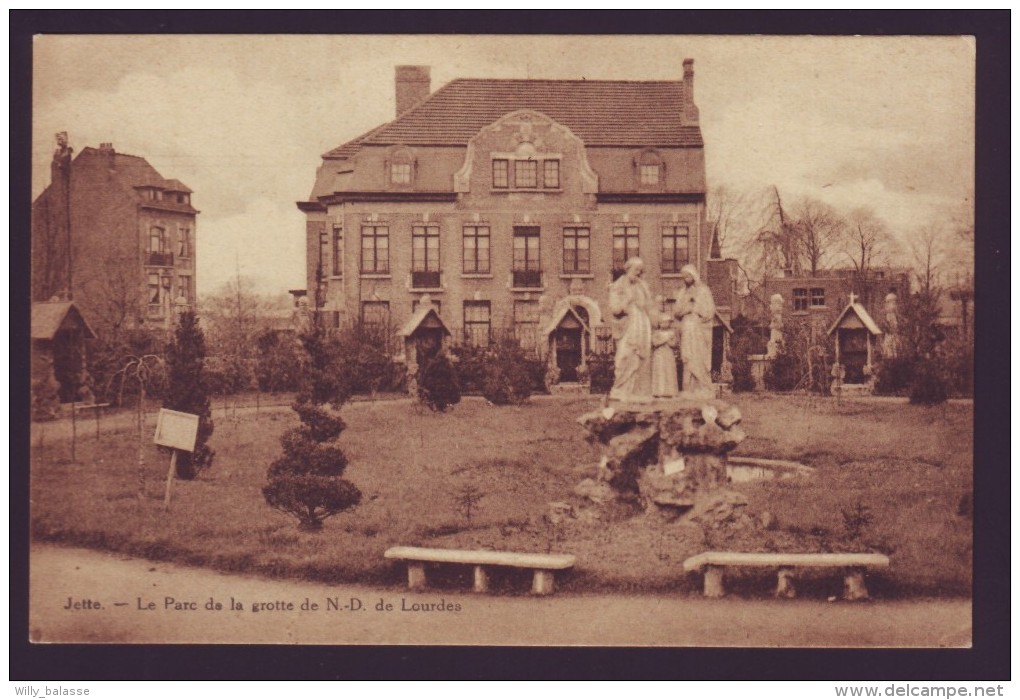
[562, 80]
[597, 111]
[115, 152]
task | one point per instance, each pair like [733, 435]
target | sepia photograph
[654, 341]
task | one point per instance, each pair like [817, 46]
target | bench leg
[714, 582]
[542, 583]
[416, 580]
[853, 585]
[481, 580]
[785, 587]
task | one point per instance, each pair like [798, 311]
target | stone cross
[853, 298]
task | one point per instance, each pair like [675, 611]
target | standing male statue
[775, 325]
[890, 341]
[632, 308]
[695, 310]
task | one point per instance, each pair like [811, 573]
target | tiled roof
[48, 316]
[175, 185]
[135, 171]
[419, 316]
[600, 113]
[862, 314]
[351, 147]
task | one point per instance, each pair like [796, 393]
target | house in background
[511, 204]
[114, 235]
[817, 299]
[956, 310]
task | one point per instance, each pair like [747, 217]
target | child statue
[664, 378]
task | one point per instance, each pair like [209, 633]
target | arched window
[401, 168]
[649, 170]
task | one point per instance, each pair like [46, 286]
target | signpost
[177, 431]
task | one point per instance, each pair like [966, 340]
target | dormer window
[401, 168]
[649, 174]
[649, 170]
[400, 173]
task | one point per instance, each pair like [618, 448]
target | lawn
[900, 470]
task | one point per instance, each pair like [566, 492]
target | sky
[883, 122]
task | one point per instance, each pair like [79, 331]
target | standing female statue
[695, 310]
[630, 303]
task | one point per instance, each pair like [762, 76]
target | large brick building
[117, 237]
[512, 204]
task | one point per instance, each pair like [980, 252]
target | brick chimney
[413, 83]
[690, 115]
[108, 154]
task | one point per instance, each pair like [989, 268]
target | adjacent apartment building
[114, 235]
[513, 204]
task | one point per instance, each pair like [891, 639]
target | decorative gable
[526, 151]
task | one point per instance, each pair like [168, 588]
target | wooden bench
[854, 564]
[543, 565]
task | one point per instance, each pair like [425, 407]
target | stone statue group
[646, 337]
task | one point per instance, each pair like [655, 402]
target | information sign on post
[177, 431]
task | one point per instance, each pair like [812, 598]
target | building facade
[115, 236]
[512, 204]
[819, 299]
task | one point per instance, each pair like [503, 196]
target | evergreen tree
[783, 372]
[438, 387]
[507, 377]
[740, 365]
[188, 391]
[307, 480]
[920, 367]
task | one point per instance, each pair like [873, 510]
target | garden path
[61, 577]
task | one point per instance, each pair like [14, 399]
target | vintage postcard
[644, 341]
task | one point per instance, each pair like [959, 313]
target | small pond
[744, 469]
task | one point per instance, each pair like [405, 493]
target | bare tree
[756, 249]
[818, 228]
[112, 292]
[235, 314]
[776, 241]
[928, 251]
[730, 216]
[959, 246]
[235, 318]
[868, 240]
[141, 370]
[868, 245]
